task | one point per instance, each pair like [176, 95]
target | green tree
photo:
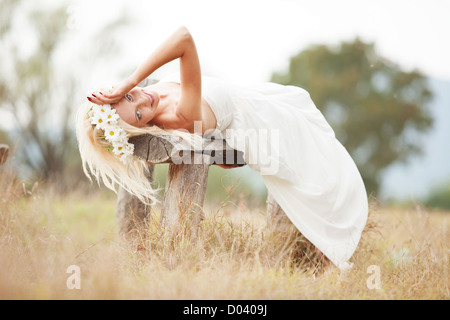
[376, 109]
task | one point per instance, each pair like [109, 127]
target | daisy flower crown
[106, 118]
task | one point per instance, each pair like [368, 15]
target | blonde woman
[278, 128]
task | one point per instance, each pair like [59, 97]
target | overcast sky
[249, 39]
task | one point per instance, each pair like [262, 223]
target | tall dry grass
[233, 256]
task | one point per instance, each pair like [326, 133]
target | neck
[163, 112]
[168, 101]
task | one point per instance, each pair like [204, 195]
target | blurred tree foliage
[228, 187]
[38, 95]
[439, 197]
[376, 109]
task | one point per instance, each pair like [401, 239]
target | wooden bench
[4, 151]
[186, 181]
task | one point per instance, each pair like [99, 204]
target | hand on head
[113, 96]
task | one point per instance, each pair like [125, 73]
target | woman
[278, 128]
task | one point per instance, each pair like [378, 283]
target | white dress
[306, 169]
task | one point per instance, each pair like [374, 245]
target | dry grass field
[402, 255]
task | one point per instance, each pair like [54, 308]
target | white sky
[250, 39]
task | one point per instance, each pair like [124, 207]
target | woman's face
[138, 106]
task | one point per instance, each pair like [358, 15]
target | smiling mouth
[150, 97]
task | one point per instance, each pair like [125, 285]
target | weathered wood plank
[172, 149]
[131, 213]
[4, 151]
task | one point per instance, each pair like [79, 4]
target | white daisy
[111, 117]
[118, 149]
[103, 110]
[98, 121]
[129, 149]
[114, 133]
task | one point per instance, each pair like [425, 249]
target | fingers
[101, 98]
[95, 99]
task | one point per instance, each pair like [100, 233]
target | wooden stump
[4, 151]
[276, 218]
[185, 193]
[187, 176]
[186, 180]
[291, 239]
[131, 213]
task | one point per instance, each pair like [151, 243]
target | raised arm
[179, 45]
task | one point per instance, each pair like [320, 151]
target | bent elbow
[184, 34]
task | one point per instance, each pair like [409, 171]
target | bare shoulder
[171, 94]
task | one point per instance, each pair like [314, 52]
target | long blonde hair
[103, 165]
